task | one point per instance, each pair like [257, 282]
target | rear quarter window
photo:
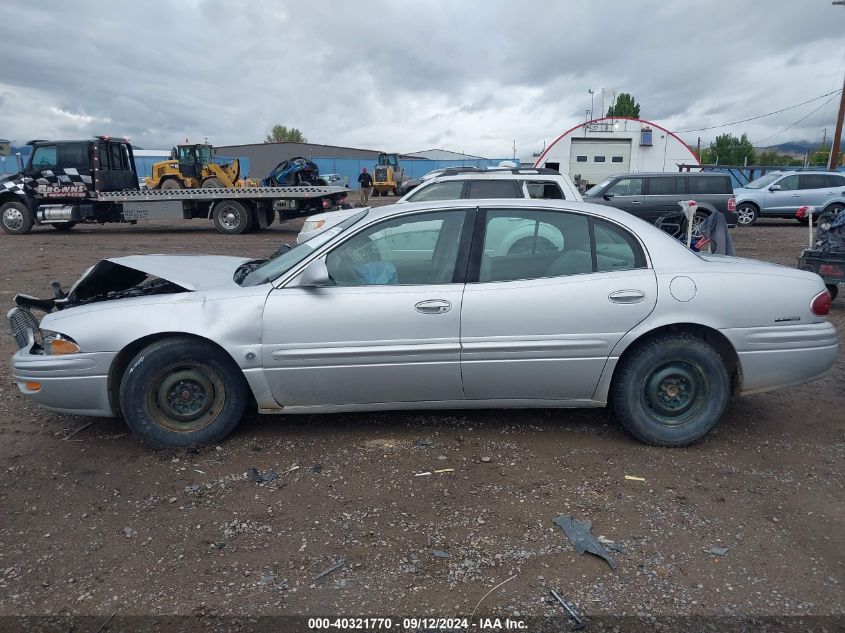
[709, 184]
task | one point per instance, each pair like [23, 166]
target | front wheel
[746, 214]
[671, 391]
[211, 183]
[182, 392]
[16, 218]
[231, 217]
[170, 184]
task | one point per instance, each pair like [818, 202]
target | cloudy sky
[405, 75]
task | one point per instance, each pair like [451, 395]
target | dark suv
[652, 195]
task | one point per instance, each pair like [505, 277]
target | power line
[797, 122]
[754, 118]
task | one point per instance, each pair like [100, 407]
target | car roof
[667, 174]
[597, 210]
[492, 174]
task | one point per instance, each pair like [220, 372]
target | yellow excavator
[192, 167]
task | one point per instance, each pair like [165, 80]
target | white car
[538, 184]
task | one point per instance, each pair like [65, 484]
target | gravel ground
[747, 522]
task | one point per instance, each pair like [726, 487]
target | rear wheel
[832, 290]
[211, 183]
[746, 214]
[16, 218]
[170, 183]
[63, 227]
[671, 391]
[182, 392]
[697, 220]
[232, 217]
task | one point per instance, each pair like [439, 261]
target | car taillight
[731, 204]
[820, 306]
[830, 270]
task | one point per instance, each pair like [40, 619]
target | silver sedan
[443, 305]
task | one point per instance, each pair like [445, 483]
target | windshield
[763, 181]
[280, 264]
[593, 191]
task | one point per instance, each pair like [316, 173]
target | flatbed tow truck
[65, 183]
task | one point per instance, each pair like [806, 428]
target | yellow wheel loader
[192, 167]
[388, 175]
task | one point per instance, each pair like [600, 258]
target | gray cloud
[472, 76]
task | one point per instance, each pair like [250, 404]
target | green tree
[821, 156]
[730, 150]
[775, 158]
[283, 133]
[625, 106]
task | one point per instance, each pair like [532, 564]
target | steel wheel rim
[230, 217]
[674, 392]
[13, 218]
[744, 215]
[185, 398]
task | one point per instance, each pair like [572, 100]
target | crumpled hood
[191, 272]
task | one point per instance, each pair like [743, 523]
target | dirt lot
[98, 523]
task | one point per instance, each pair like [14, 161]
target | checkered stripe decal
[68, 177]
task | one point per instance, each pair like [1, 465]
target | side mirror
[774, 188]
[607, 196]
[315, 275]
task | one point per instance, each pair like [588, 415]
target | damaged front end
[107, 280]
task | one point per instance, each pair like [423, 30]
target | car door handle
[794, 195]
[433, 306]
[635, 202]
[626, 296]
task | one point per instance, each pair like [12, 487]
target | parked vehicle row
[781, 194]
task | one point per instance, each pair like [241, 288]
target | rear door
[663, 194]
[540, 322]
[114, 167]
[814, 190]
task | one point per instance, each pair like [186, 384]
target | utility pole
[837, 135]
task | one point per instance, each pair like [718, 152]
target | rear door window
[493, 189]
[812, 181]
[616, 249]
[709, 184]
[665, 185]
[74, 156]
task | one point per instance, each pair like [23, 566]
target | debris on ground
[634, 478]
[439, 553]
[485, 459]
[424, 442]
[444, 470]
[317, 468]
[577, 622]
[261, 477]
[578, 532]
[128, 532]
[326, 572]
[613, 546]
[422, 474]
[718, 551]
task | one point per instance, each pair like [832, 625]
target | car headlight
[55, 344]
[312, 225]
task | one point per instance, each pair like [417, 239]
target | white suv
[496, 183]
[492, 183]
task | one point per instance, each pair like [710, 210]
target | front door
[387, 330]
[784, 201]
[627, 194]
[540, 323]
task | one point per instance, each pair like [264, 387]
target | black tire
[835, 208]
[63, 227]
[670, 391]
[182, 392]
[232, 217]
[746, 214]
[526, 246]
[211, 183]
[16, 218]
[170, 183]
[832, 290]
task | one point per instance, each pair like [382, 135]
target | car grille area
[23, 325]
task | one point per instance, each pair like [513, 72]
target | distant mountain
[797, 148]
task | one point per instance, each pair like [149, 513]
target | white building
[615, 145]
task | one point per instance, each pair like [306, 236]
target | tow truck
[65, 183]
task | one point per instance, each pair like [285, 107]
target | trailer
[65, 183]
